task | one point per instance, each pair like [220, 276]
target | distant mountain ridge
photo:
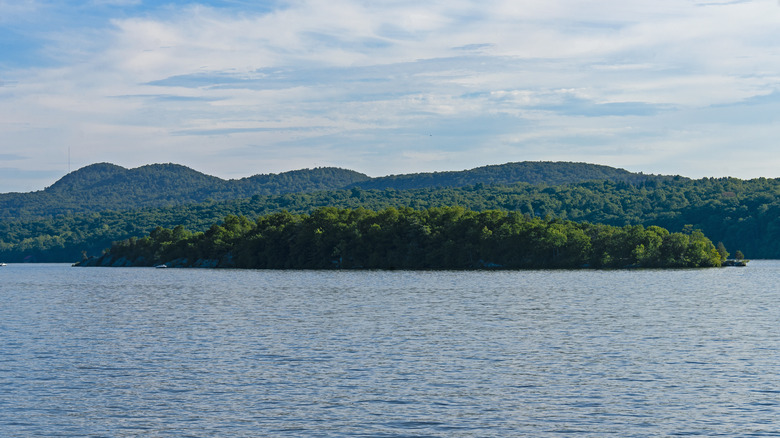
[532, 172]
[100, 176]
[105, 186]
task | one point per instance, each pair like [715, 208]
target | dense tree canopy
[744, 215]
[436, 238]
[103, 187]
[532, 172]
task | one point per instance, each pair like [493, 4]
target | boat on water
[161, 266]
[736, 262]
[3, 264]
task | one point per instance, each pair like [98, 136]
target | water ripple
[144, 352]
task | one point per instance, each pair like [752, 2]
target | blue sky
[238, 88]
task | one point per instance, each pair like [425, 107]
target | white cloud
[364, 85]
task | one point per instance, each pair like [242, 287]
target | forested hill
[103, 186]
[532, 172]
[744, 215]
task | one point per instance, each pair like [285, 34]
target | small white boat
[3, 264]
[160, 266]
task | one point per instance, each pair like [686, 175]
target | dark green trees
[436, 238]
[741, 214]
[722, 251]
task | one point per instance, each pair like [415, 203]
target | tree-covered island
[405, 238]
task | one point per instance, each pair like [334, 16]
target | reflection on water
[131, 352]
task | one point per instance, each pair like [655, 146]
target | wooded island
[435, 238]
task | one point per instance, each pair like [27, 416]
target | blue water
[163, 352]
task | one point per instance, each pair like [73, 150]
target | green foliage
[532, 172]
[740, 214]
[724, 254]
[435, 238]
[104, 187]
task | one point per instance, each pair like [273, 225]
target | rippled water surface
[164, 352]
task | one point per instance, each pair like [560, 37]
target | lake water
[121, 352]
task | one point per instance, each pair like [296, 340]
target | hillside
[532, 172]
[103, 186]
[744, 215]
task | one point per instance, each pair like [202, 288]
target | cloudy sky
[235, 88]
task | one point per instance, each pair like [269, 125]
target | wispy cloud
[389, 87]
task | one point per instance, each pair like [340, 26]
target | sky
[237, 88]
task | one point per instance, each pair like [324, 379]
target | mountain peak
[86, 176]
[106, 186]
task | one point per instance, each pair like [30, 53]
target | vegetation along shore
[436, 238]
[83, 213]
